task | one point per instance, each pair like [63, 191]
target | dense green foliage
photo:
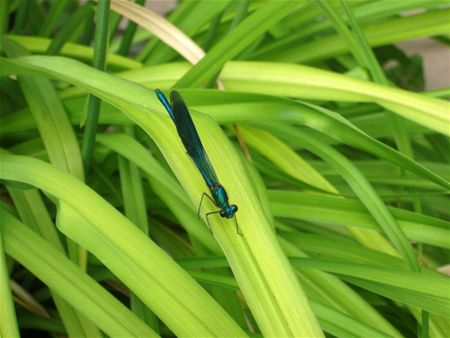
[339, 166]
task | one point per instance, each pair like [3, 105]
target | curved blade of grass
[65, 278]
[431, 304]
[34, 214]
[338, 249]
[32, 211]
[307, 82]
[382, 169]
[375, 125]
[38, 45]
[345, 212]
[434, 285]
[160, 27]
[185, 307]
[133, 150]
[341, 324]
[50, 117]
[285, 158]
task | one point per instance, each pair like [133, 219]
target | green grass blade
[370, 61]
[93, 102]
[69, 281]
[189, 17]
[244, 34]
[38, 45]
[434, 305]
[339, 249]
[51, 119]
[345, 323]
[285, 158]
[4, 17]
[305, 82]
[344, 212]
[21, 16]
[34, 214]
[128, 35]
[167, 32]
[429, 284]
[365, 193]
[135, 210]
[133, 194]
[56, 9]
[320, 285]
[69, 29]
[8, 324]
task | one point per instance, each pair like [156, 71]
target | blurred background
[435, 56]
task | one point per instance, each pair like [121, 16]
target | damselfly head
[228, 211]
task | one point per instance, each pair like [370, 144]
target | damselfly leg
[201, 201]
[238, 230]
